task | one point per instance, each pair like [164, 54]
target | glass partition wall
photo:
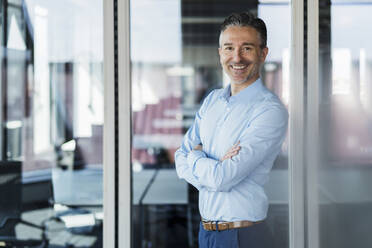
[174, 65]
[51, 122]
[344, 170]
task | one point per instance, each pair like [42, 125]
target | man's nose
[237, 56]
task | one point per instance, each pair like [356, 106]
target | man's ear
[264, 52]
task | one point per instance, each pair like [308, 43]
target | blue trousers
[256, 236]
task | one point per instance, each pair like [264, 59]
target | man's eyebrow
[244, 44]
[248, 44]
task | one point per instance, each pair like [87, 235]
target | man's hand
[198, 147]
[234, 150]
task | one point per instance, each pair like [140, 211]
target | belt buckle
[223, 226]
[208, 225]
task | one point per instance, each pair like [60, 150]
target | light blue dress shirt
[232, 190]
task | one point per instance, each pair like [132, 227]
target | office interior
[52, 118]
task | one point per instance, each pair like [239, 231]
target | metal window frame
[296, 127]
[125, 97]
[109, 182]
[312, 123]
[117, 127]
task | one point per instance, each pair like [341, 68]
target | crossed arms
[262, 138]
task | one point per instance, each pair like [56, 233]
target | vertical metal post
[125, 168]
[109, 165]
[1, 81]
[296, 127]
[4, 82]
[312, 141]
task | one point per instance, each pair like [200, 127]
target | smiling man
[228, 152]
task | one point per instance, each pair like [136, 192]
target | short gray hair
[247, 19]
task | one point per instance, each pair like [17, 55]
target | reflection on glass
[52, 122]
[345, 139]
[175, 64]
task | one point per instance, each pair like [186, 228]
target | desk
[166, 188]
[78, 187]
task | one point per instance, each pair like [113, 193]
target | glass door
[341, 175]
[174, 66]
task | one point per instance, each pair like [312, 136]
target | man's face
[240, 54]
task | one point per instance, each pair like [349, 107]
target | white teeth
[238, 67]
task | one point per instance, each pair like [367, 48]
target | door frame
[118, 193]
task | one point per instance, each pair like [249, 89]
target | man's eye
[247, 48]
[228, 48]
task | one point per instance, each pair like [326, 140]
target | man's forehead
[239, 35]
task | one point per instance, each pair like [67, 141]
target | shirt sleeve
[261, 138]
[190, 140]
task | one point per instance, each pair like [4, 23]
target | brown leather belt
[212, 225]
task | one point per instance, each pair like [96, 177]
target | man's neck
[236, 88]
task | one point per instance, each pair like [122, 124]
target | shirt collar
[246, 93]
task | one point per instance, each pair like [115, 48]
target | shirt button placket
[227, 112]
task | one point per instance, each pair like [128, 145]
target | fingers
[228, 156]
[234, 148]
[233, 151]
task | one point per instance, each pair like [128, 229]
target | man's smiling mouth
[239, 67]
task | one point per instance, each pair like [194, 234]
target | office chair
[11, 206]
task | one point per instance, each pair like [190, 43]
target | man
[229, 150]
